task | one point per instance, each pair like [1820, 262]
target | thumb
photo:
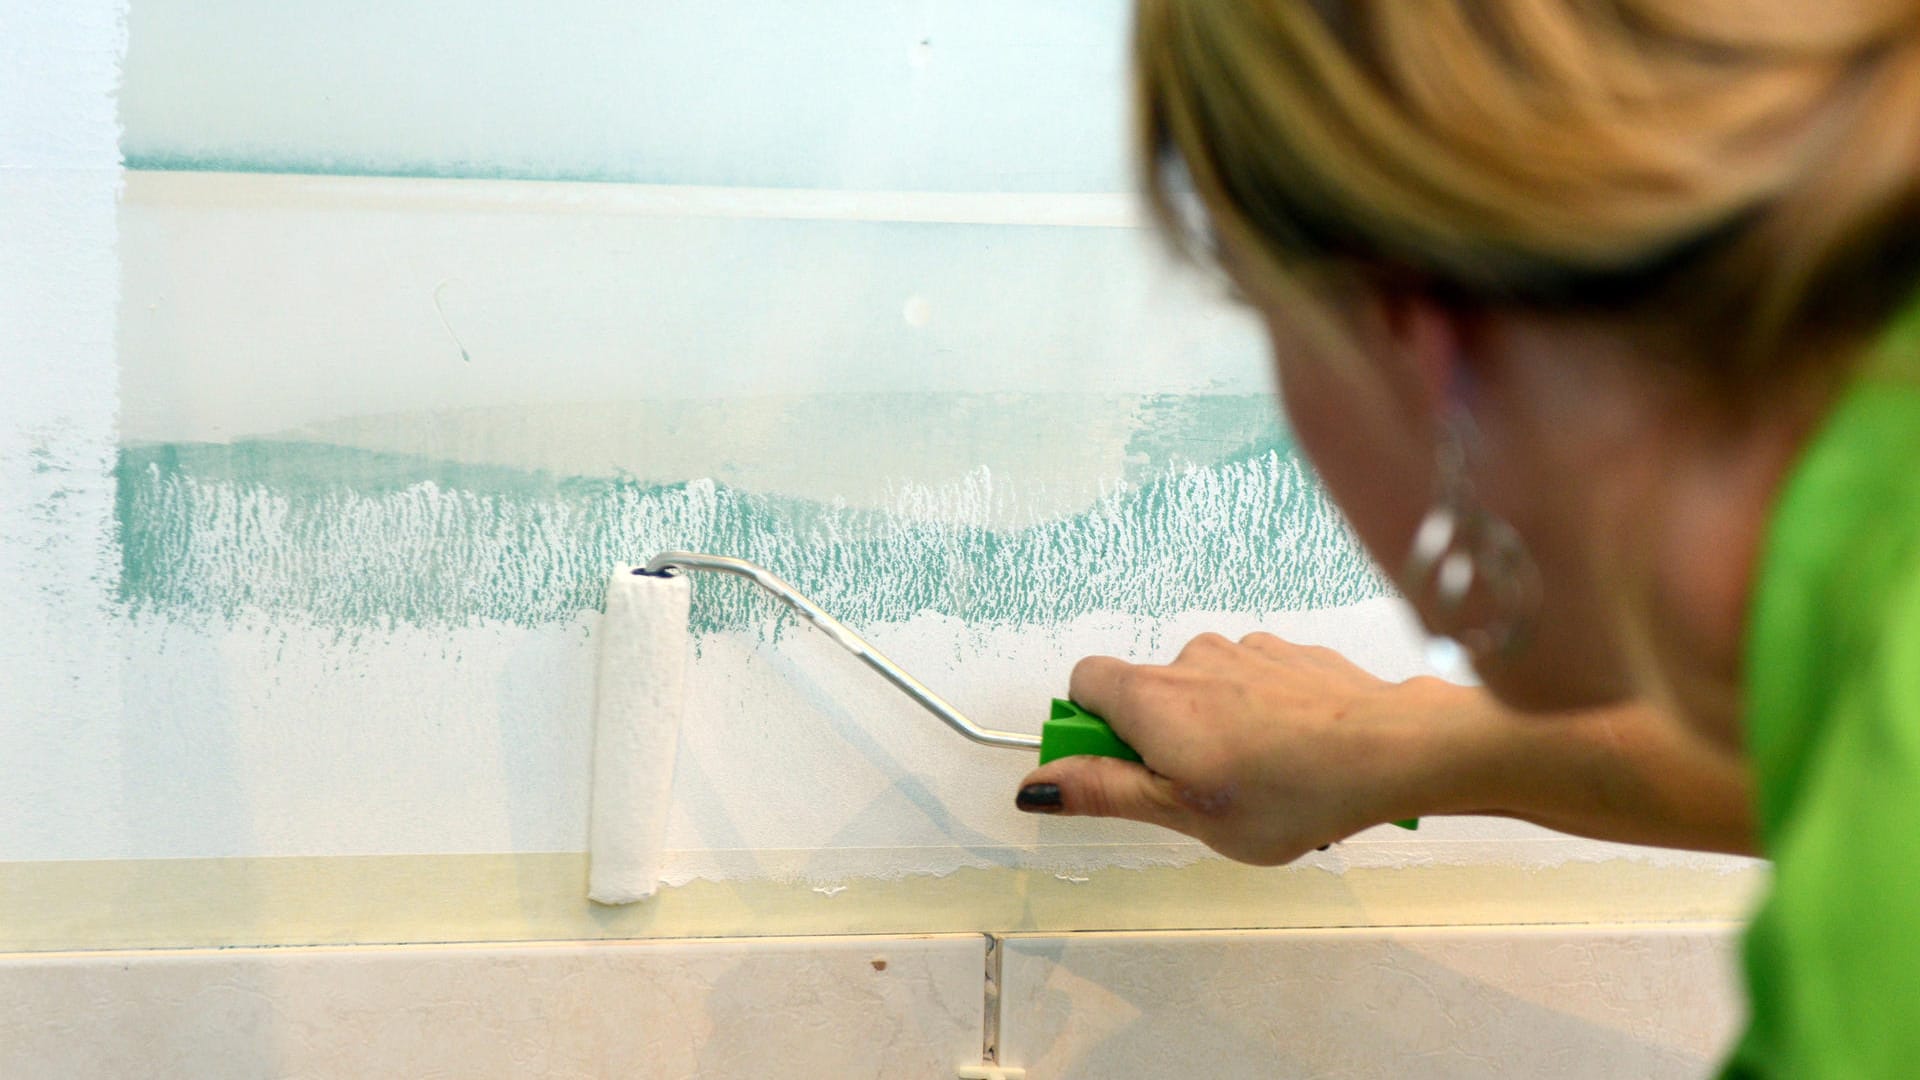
[1103, 787]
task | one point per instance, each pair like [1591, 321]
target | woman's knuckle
[1086, 666]
[1201, 645]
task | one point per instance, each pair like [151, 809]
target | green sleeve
[1833, 958]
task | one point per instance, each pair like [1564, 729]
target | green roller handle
[1071, 731]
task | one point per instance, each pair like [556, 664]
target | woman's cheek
[1364, 459]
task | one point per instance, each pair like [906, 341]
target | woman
[1584, 311]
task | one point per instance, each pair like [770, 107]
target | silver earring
[1459, 546]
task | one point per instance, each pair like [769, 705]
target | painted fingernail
[1039, 798]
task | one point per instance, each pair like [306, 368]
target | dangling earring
[1460, 545]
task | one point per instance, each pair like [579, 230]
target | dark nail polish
[1039, 798]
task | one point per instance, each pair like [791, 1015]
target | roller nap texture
[640, 693]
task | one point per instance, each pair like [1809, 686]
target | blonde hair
[1742, 174]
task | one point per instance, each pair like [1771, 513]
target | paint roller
[640, 694]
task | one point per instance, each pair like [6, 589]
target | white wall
[59, 290]
[309, 573]
[189, 756]
[869, 95]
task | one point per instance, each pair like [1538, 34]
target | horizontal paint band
[222, 529]
[336, 900]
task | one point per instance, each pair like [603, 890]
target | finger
[1099, 684]
[1145, 704]
[1133, 699]
[1104, 787]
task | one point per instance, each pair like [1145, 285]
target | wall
[60, 176]
[422, 326]
[306, 482]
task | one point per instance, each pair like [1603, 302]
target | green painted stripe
[358, 539]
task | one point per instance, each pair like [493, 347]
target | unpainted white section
[59, 287]
[794, 762]
[947, 95]
[263, 305]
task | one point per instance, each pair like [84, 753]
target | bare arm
[1629, 773]
[1264, 750]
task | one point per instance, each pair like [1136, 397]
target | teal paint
[1178, 430]
[360, 540]
[292, 164]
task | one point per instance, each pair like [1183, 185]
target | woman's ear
[1431, 340]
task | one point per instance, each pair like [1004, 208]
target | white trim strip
[1069, 210]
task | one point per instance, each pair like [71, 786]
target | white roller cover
[640, 695]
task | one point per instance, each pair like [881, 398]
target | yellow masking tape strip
[180, 903]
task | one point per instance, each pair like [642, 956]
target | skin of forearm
[1627, 773]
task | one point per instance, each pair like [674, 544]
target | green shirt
[1833, 733]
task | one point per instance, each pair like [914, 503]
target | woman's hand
[1264, 750]
[1261, 749]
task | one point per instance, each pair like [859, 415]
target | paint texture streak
[362, 540]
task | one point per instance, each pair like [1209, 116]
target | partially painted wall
[60, 650]
[423, 326]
